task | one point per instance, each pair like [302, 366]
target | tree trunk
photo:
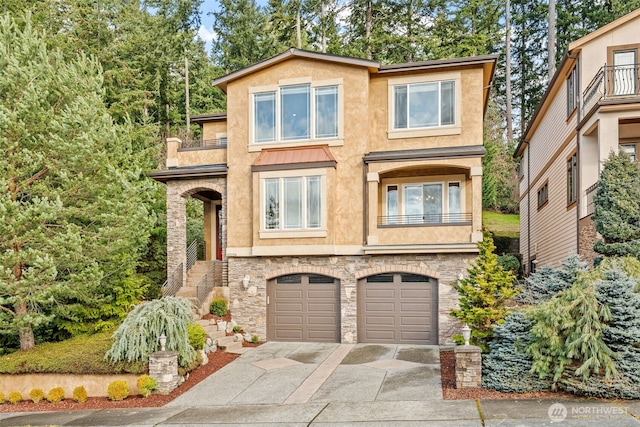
[27, 340]
[298, 26]
[507, 73]
[367, 29]
[552, 38]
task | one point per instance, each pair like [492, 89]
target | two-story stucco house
[342, 197]
[590, 109]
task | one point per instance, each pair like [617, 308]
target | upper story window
[292, 203]
[572, 92]
[296, 113]
[423, 105]
[520, 168]
[572, 179]
[543, 195]
[629, 150]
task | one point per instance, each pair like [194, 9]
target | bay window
[296, 113]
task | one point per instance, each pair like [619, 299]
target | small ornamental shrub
[547, 282]
[55, 395]
[118, 390]
[80, 394]
[219, 307]
[146, 385]
[36, 395]
[255, 339]
[139, 334]
[1, 398]
[14, 397]
[237, 329]
[197, 335]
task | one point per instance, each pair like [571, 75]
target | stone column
[163, 366]
[468, 366]
[176, 230]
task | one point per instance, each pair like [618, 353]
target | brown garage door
[303, 307]
[398, 308]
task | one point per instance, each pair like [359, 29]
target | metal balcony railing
[590, 192]
[204, 143]
[425, 219]
[611, 82]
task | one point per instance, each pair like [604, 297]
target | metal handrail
[208, 281]
[192, 254]
[428, 219]
[203, 143]
[173, 283]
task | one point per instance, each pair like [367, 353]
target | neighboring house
[590, 109]
[342, 197]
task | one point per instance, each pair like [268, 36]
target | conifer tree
[617, 208]
[483, 294]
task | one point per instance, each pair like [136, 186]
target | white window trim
[454, 129]
[264, 233]
[331, 141]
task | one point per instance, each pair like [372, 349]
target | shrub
[484, 294]
[255, 339]
[511, 263]
[80, 394]
[140, 332]
[197, 335]
[219, 307]
[146, 385]
[1, 397]
[237, 329]
[547, 282]
[507, 367]
[36, 395]
[14, 397]
[118, 390]
[55, 395]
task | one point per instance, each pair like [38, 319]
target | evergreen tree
[507, 367]
[72, 199]
[547, 282]
[617, 208]
[483, 295]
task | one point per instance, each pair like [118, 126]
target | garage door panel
[329, 307]
[398, 311]
[322, 293]
[283, 319]
[295, 307]
[320, 335]
[321, 320]
[289, 334]
[288, 294]
[379, 293]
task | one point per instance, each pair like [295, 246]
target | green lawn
[507, 225]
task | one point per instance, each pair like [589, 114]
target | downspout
[578, 161]
[528, 207]
[365, 228]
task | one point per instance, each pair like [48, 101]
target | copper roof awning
[317, 156]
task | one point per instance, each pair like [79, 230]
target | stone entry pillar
[163, 366]
[468, 366]
[176, 230]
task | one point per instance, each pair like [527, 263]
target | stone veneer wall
[587, 238]
[177, 191]
[249, 306]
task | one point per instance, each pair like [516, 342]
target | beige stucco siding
[214, 130]
[208, 156]
[343, 201]
[469, 128]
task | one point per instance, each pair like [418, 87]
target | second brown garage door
[398, 308]
[303, 307]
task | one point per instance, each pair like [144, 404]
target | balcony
[590, 192]
[611, 83]
[197, 144]
[425, 220]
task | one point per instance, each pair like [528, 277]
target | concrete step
[229, 343]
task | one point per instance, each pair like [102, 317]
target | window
[572, 92]
[625, 72]
[424, 203]
[543, 195]
[292, 203]
[424, 105]
[296, 112]
[629, 150]
[572, 178]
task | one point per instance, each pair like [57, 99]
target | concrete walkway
[295, 384]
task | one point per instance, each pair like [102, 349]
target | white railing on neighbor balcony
[590, 192]
[204, 143]
[611, 82]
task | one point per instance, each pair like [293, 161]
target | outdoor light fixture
[163, 342]
[466, 334]
[245, 282]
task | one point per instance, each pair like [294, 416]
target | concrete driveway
[295, 373]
